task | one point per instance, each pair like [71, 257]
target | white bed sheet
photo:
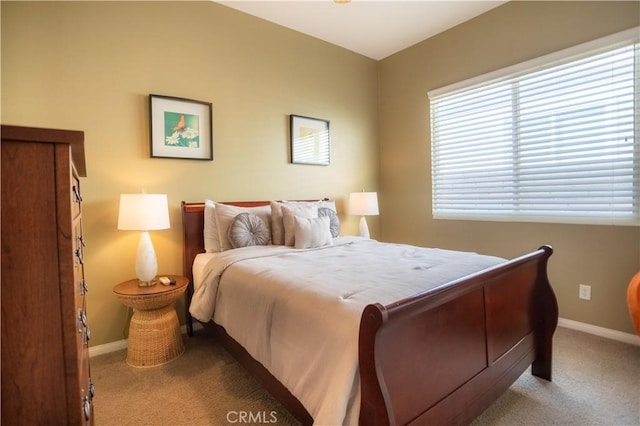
[298, 311]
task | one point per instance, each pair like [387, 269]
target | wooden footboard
[442, 357]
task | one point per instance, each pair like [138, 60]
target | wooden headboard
[193, 241]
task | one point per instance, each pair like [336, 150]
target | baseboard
[600, 331]
[562, 322]
[122, 344]
[107, 348]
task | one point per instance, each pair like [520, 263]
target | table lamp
[363, 204]
[144, 212]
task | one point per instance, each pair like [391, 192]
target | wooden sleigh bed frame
[439, 357]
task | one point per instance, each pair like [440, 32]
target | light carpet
[596, 381]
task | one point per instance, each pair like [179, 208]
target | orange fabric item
[633, 300]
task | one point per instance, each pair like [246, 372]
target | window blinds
[558, 143]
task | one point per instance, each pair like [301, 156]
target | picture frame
[310, 140]
[180, 128]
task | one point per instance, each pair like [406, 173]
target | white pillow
[277, 224]
[311, 233]
[211, 238]
[225, 215]
[289, 212]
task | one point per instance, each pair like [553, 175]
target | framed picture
[181, 128]
[310, 140]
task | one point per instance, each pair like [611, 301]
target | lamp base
[146, 263]
[147, 283]
[363, 228]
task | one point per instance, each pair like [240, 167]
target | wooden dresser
[45, 354]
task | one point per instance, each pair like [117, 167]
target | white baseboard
[107, 348]
[600, 331]
[122, 344]
[562, 322]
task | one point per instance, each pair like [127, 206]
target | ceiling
[373, 28]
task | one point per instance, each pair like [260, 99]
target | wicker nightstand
[154, 332]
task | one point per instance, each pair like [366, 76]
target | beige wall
[604, 257]
[90, 66]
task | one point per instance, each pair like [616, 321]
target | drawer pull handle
[82, 320]
[77, 198]
[83, 327]
[84, 287]
[86, 336]
[86, 407]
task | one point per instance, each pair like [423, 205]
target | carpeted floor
[596, 382]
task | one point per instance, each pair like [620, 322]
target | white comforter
[298, 311]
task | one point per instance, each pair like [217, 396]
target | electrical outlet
[585, 292]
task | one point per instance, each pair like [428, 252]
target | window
[551, 140]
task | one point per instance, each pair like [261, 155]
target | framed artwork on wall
[181, 128]
[310, 140]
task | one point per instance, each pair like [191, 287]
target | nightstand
[154, 331]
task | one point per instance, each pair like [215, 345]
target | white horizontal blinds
[555, 144]
[576, 140]
[472, 151]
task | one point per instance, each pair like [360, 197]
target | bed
[437, 356]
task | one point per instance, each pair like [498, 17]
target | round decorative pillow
[247, 229]
[334, 220]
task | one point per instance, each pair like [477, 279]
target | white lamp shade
[363, 203]
[143, 212]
